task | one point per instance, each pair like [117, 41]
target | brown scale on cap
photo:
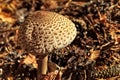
[44, 31]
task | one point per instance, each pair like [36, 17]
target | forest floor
[93, 55]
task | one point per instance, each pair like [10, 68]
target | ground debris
[94, 54]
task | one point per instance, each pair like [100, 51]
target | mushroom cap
[44, 31]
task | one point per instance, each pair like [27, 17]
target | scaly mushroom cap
[44, 31]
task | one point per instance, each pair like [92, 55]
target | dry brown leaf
[51, 75]
[10, 78]
[3, 55]
[5, 17]
[94, 54]
[49, 4]
[30, 59]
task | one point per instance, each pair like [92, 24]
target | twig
[7, 30]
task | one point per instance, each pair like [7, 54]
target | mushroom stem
[42, 66]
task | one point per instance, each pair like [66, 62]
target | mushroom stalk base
[42, 66]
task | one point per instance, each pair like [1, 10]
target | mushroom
[43, 32]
